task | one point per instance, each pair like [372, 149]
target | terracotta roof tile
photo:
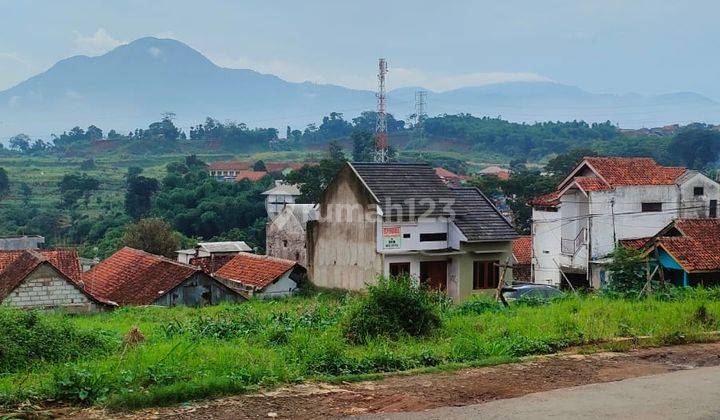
[591, 183]
[210, 264]
[133, 277]
[230, 166]
[547, 200]
[699, 247]
[255, 271]
[251, 175]
[522, 249]
[634, 171]
[637, 244]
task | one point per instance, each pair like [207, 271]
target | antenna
[420, 102]
[381, 138]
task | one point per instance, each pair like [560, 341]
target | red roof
[444, 173]
[251, 175]
[547, 200]
[212, 263]
[634, 171]
[636, 244]
[699, 247]
[134, 277]
[256, 271]
[230, 166]
[522, 249]
[591, 183]
[15, 266]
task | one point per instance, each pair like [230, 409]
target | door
[400, 269]
[433, 274]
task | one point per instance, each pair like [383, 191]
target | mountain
[135, 83]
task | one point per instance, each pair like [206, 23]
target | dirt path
[422, 392]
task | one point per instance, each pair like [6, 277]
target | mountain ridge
[136, 82]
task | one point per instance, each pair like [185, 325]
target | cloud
[98, 43]
[154, 51]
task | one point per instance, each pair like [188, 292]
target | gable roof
[229, 166]
[697, 249]
[15, 266]
[255, 271]
[134, 277]
[480, 221]
[522, 249]
[619, 171]
[395, 185]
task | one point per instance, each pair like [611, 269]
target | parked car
[530, 290]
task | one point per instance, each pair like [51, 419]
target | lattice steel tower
[381, 137]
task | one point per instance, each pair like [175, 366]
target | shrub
[80, 385]
[29, 337]
[479, 304]
[627, 272]
[393, 308]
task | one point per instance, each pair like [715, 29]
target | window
[713, 208]
[485, 274]
[406, 236]
[698, 191]
[284, 243]
[399, 269]
[651, 207]
[433, 237]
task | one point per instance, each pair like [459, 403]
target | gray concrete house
[401, 219]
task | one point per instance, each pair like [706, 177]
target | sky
[604, 46]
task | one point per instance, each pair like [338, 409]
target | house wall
[697, 206]
[283, 287]
[414, 229]
[274, 203]
[45, 287]
[619, 215]
[545, 246]
[198, 290]
[285, 238]
[342, 249]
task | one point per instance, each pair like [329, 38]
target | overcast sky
[613, 46]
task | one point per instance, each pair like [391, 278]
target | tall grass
[194, 353]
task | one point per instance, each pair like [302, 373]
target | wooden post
[565, 277]
[501, 282]
[662, 272]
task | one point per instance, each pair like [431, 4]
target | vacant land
[187, 354]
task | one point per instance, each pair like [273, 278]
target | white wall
[545, 246]
[414, 229]
[285, 286]
[697, 206]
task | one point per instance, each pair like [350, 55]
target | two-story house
[401, 219]
[607, 199]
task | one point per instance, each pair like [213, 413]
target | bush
[479, 304]
[393, 308]
[30, 337]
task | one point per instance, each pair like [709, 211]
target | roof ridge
[159, 257]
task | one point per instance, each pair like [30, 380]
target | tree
[4, 182]
[314, 179]
[561, 165]
[259, 166]
[138, 196]
[93, 133]
[627, 271]
[20, 143]
[335, 152]
[153, 235]
[73, 187]
[696, 148]
[25, 192]
[363, 146]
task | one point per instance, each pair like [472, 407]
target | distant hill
[134, 83]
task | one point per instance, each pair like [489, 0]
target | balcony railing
[571, 246]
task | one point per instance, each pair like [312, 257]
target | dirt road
[688, 394]
[423, 392]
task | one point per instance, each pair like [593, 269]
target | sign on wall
[392, 239]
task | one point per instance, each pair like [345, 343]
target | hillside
[138, 81]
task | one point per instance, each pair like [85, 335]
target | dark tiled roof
[398, 184]
[479, 220]
[134, 277]
[255, 271]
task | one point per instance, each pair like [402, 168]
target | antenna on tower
[381, 137]
[420, 102]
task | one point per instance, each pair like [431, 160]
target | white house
[261, 276]
[607, 199]
[212, 249]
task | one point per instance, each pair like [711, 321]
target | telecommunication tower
[420, 115]
[381, 137]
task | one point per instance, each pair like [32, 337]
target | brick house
[134, 277]
[47, 279]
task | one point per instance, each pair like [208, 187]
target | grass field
[194, 353]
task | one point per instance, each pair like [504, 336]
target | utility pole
[381, 137]
[420, 102]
